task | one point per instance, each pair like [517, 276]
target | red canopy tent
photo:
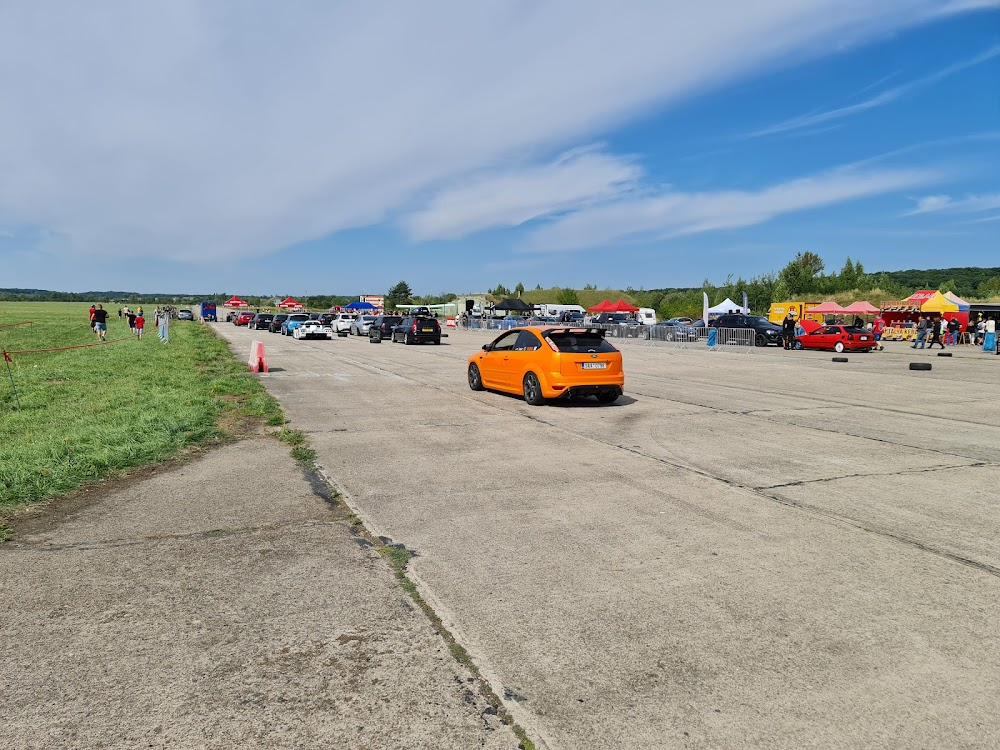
[827, 308]
[623, 306]
[289, 304]
[605, 306]
[235, 301]
[861, 308]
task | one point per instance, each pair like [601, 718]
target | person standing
[788, 330]
[953, 328]
[100, 318]
[921, 341]
[90, 315]
[140, 323]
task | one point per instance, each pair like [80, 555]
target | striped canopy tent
[919, 297]
[861, 308]
[235, 301]
[938, 303]
[289, 304]
[963, 306]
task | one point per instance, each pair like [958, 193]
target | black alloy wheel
[760, 340]
[475, 379]
[533, 390]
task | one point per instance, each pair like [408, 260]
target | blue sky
[321, 147]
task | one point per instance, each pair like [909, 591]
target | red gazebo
[235, 301]
[289, 304]
[608, 306]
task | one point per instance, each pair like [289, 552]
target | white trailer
[646, 316]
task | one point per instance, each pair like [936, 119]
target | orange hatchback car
[543, 362]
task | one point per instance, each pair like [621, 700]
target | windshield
[579, 342]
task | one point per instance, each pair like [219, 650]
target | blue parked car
[292, 322]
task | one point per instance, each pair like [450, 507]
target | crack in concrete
[900, 473]
[208, 534]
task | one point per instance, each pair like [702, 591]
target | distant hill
[46, 295]
[968, 280]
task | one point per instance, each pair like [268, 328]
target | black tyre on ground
[406, 339]
[475, 379]
[760, 340]
[920, 365]
[532, 390]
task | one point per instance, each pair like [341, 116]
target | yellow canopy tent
[938, 303]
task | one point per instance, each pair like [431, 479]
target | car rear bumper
[579, 391]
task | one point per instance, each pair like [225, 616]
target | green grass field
[91, 413]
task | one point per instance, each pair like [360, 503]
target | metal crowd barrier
[675, 337]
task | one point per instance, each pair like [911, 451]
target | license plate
[864, 338]
[427, 330]
[595, 365]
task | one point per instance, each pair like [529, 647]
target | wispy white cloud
[207, 131]
[969, 204]
[510, 197]
[879, 100]
[673, 213]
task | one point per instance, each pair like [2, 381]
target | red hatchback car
[838, 338]
[242, 318]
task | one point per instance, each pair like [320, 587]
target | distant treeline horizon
[803, 278]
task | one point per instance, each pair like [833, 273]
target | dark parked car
[275, 325]
[615, 319]
[382, 326]
[185, 315]
[766, 331]
[417, 330]
[261, 322]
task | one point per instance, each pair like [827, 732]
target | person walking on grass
[131, 320]
[140, 323]
[100, 322]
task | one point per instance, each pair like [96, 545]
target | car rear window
[579, 342]
[298, 317]
[427, 322]
[391, 321]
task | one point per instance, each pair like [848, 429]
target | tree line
[804, 277]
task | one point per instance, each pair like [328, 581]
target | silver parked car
[361, 325]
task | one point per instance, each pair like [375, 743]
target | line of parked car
[414, 329]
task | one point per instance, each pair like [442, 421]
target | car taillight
[414, 329]
[552, 346]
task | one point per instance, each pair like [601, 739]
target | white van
[646, 316]
[554, 311]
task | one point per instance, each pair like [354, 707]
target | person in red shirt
[139, 323]
[878, 327]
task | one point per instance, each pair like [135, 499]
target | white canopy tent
[726, 306]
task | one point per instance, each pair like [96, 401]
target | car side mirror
[487, 347]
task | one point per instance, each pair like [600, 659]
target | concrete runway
[747, 550]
